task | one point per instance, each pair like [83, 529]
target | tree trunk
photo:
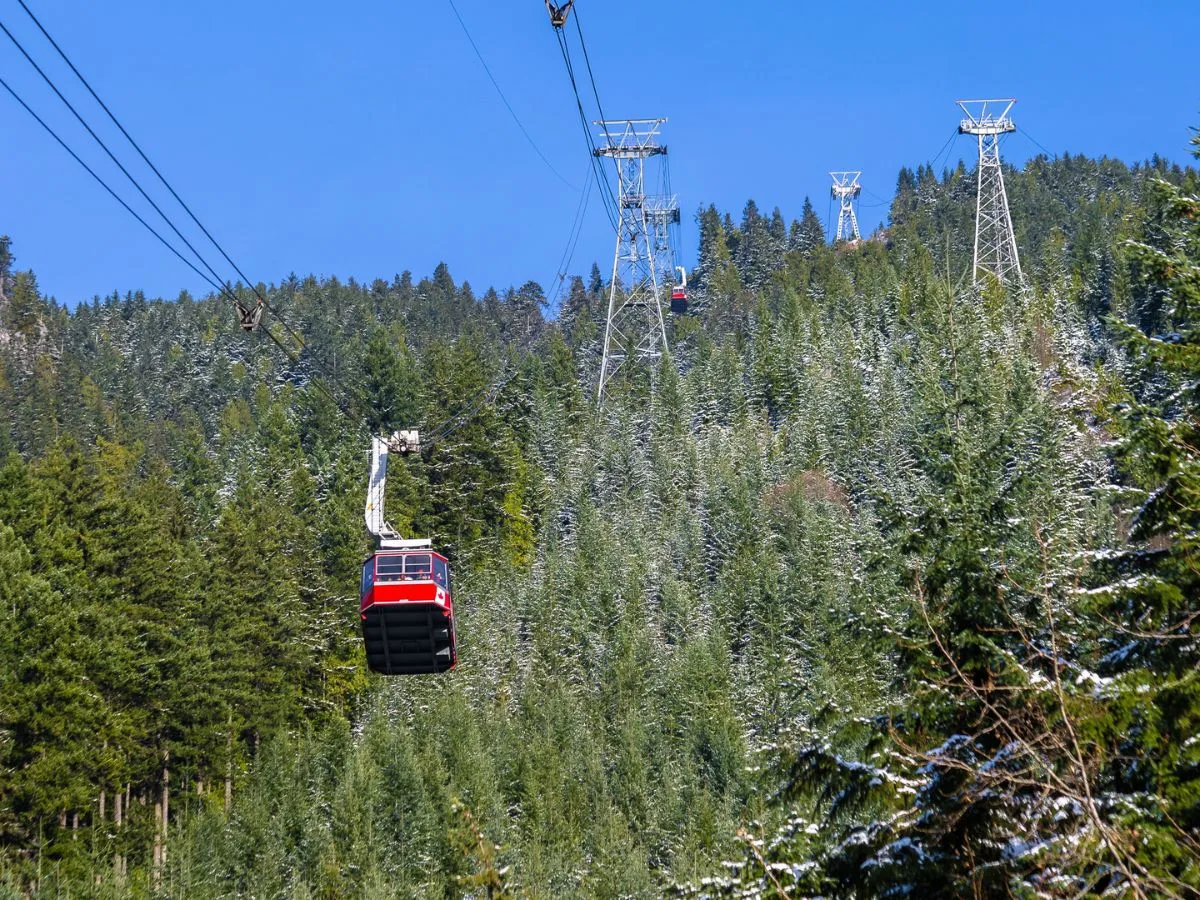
[74, 826]
[166, 802]
[156, 864]
[103, 791]
[118, 819]
[229, 764]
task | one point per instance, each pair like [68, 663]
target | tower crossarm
[982, 117]
[663, 209]
[630, 138]
[629, 152]
[845, 184]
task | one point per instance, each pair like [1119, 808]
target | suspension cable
[250, 284]
[467, 410]
[1050, 156]
[187, 262]
[595, 91]
[448, 427]
[215, 280]
[452, 424]
[573, 235]
[588, 61]
[512, 112]
[597, 165]
[315, 382]
[946, 147]
[105, 148]
[137, 147]
[219, 288]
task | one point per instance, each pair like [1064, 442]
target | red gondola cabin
[679, 300]
[407, 614]
[679, 297]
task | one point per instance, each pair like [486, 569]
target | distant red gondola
[679, 303]
[679, 297]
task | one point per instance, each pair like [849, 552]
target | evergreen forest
[882, 585]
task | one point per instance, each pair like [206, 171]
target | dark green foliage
[1040, 739]
[1153, 584]
[390, 383]
[808, 233]
[878, 586]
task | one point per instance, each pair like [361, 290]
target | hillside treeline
[881, 584]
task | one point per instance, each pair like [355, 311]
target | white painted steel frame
[846, 190]
[995, 240]
[635, 327]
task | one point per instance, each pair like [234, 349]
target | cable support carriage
[559, 12]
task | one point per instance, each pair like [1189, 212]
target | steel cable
[108, 152]
[187, 262]
[215, 280]
[504, 99]
[136, 146]
[220, 289]
[597, 165]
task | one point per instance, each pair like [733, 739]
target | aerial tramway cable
[187, 262]
[212, 278]
[351, 401]
[138, 148]
[219, 288]
[1049, 155]
[512, 112]
[110, 154]
[588, 62]
[568, 254]
[581, 206]
[612, 210]
[262, 299]
[944, 151]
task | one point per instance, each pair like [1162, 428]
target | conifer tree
[389, 382]
[1153, 595]
[811, 233]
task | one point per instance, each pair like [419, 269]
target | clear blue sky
[363, 138]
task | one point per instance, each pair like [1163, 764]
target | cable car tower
[662, 212]
[995, 241]
[846, 190]
[635, 328]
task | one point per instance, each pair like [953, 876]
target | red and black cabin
[407, 613]
[679, 299]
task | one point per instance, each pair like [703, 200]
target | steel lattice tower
[661, 213]
[995, 241]
[635, 328]
[846, 190]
